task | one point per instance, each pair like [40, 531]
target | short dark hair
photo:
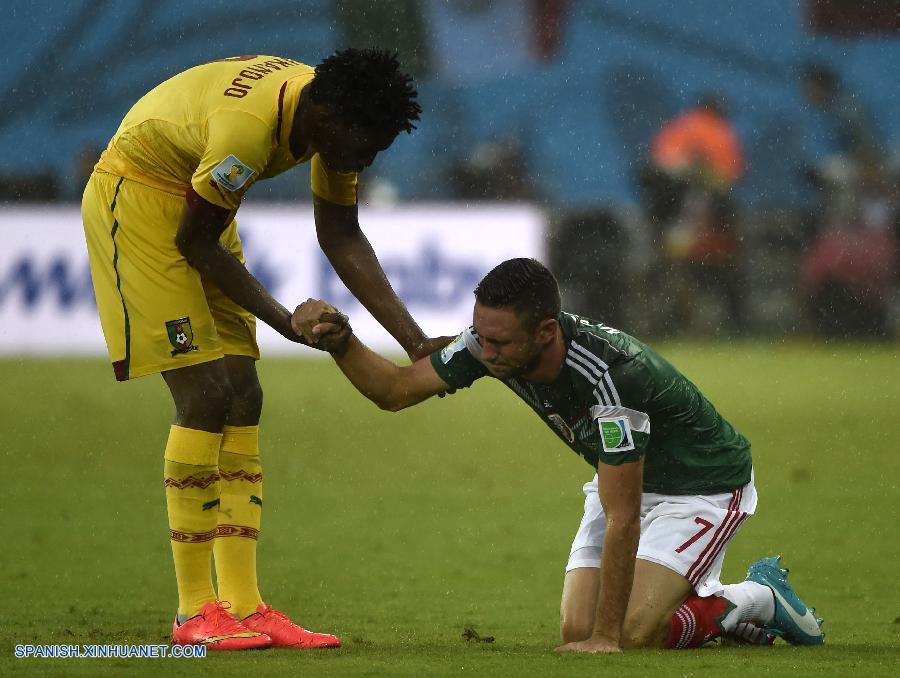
[366, 87]
[524, 285]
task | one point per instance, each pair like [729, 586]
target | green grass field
[398, 531]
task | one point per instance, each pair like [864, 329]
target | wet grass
[400, 531]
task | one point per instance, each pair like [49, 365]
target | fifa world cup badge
[615, 434]
[231, 174]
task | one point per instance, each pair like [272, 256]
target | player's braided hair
[366, 87]
[525, 285]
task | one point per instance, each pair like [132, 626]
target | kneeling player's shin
[697, 621]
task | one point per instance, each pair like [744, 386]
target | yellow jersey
[218, 128]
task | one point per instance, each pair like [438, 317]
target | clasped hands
[321, 325]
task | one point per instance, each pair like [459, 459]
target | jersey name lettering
[258, 71]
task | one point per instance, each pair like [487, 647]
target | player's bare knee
[574, 627]
[247, 401]
[634, 640]
[207, 405]
[643, 630]
[570, 632]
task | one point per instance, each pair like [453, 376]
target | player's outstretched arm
[354, 260]
[386, 384]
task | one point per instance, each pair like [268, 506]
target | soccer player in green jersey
[673, 482]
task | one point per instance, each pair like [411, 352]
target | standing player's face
[507, 348]
[347, 148]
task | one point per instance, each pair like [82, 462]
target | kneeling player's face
[347, 148]
[507, 348]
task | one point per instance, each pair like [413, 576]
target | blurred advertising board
[434, 255]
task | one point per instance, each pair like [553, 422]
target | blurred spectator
[84, 164]
[588, 255]
[40, 186]
[494, 170]
[849, 275]
[851, 150]
[700, 146]
[695, 160]
[849, 272]
[852, 132]
[548, 23]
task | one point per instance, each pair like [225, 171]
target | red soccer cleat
[215, 628]
[284, 632]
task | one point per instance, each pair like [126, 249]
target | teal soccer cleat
[794, 621]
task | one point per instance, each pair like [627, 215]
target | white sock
[752, 603]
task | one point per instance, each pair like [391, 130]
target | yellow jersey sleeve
[336, 187]
[237, 152]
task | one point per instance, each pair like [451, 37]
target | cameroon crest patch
[181, 335]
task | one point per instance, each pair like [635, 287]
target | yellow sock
[192, 495]
[239, 518]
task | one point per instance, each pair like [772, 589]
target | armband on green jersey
[458, 363]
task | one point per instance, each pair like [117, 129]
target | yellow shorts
[157, 313]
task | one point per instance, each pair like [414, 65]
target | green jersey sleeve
[623, 423]
[458, 363]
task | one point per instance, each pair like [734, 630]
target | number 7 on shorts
[705, 526]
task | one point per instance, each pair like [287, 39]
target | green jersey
[617, 400]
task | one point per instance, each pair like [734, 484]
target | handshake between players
[322, 326]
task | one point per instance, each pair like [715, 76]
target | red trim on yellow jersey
[205, 209]
[280, 112]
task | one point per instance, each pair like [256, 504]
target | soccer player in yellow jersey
[175, 298]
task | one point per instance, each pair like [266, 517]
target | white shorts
[685, 533]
